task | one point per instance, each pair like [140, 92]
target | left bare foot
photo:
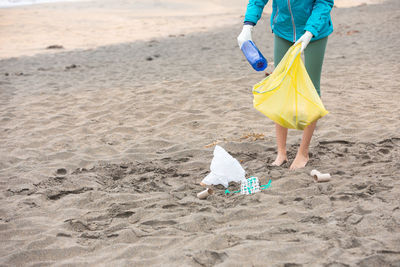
[299, 162]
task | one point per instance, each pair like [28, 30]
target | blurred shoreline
[19, 3]
[30, 29]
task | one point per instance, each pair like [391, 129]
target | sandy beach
[104, 141]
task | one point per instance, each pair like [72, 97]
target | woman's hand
[245, 35]
[304, 40]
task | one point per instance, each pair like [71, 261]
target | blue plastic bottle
[254, 56]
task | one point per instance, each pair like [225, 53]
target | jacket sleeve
[254, 10]
[319, 17]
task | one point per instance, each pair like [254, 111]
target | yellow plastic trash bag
[288, 96]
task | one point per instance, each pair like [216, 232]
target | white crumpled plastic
[224, 169]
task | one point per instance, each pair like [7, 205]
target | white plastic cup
[204, 194]
[314, 172]
[320, 177]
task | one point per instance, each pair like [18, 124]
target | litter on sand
[250, 186]
[320, 177]
[224, 169]
[204, 194]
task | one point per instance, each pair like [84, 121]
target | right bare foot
[280, 159]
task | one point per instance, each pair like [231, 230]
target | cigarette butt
[204, 194]
[322, 177]
[203, 184]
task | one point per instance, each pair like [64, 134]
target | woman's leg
[281, 46]
[281, 134]
[314, 57]
[302, 157]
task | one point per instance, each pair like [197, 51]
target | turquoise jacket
[291, 18]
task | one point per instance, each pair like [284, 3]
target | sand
[103, 148]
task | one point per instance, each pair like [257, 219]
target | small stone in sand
[55, 47]
[73, 66]
[61, 171]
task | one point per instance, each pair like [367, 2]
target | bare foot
[280, 159]
[299, 162]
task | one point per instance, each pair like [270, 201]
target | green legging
[313, 56]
